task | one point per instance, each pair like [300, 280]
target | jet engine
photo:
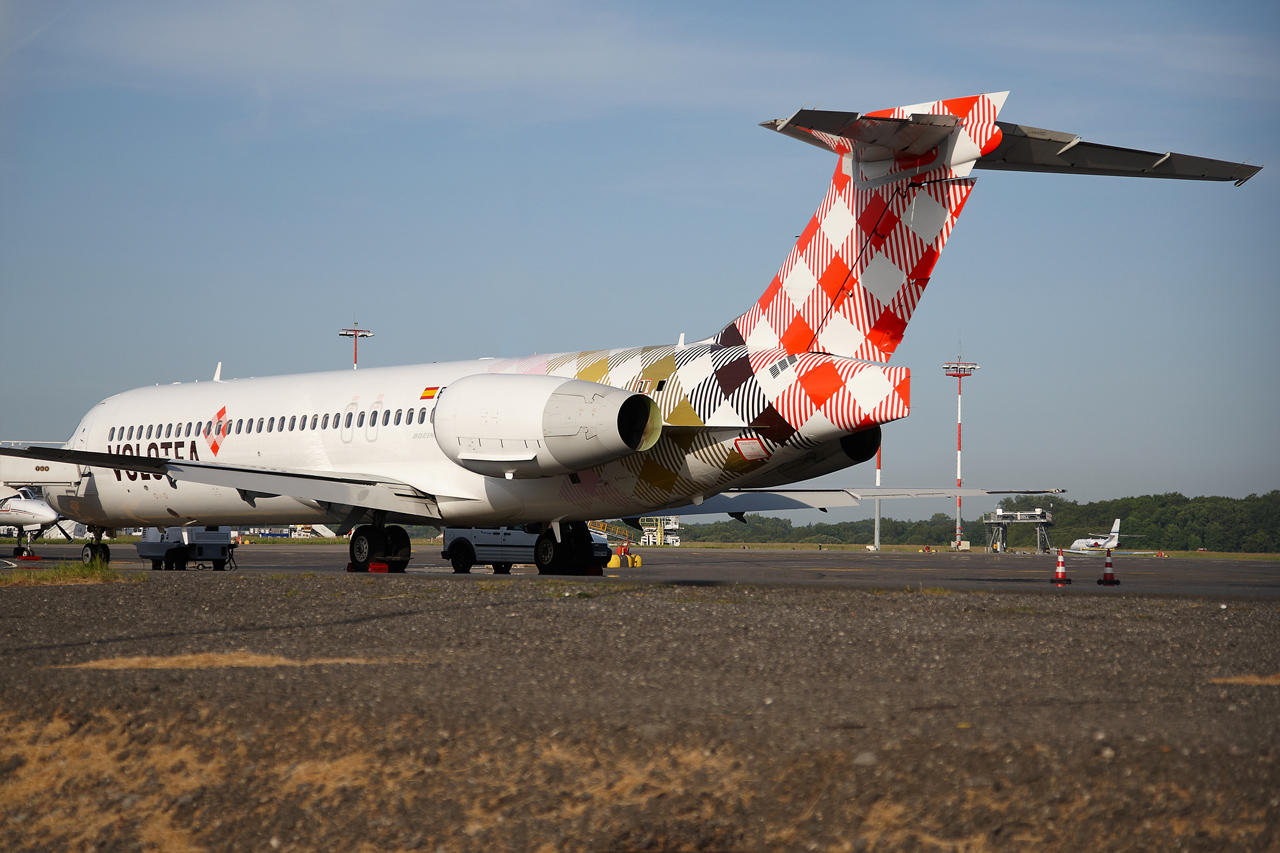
[522, 426]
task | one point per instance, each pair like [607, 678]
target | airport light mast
[959, 369]
[877, 543]
[355, 334]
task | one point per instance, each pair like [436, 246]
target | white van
[503, 547]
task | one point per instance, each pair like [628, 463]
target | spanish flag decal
[430, 393]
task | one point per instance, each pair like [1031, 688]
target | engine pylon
[1108, 576]
[1060, 572]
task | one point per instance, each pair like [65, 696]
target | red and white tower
[959, 369]
[355, 334]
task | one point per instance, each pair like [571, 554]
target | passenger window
[399, 412]
[422, 415]
[111, 434]
[271, 424]
[314, 419]
[348, 421]
[360, 420]
[130, 434]
[168, 430]
[324, 424]
[259, 424]
[386, 416]
[239, 424]
[208, 428]
[293, 420]
[148, 430]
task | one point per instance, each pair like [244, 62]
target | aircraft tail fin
[1115, 528]
[853, 278]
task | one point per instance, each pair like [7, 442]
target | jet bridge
[997, 524]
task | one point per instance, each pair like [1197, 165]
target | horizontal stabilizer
[873, 137]
[1033, 149]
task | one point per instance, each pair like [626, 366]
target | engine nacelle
[521, 426]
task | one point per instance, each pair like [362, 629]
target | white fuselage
[384, 429]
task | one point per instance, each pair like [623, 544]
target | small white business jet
[797, 386]
[28, 515]
[1096, 543]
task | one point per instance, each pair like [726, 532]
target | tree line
[1169, 522]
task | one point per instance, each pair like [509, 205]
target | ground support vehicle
[174, 548]
[579, 551]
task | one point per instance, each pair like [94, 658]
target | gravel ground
[346, 712]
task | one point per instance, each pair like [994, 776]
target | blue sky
[183, 184]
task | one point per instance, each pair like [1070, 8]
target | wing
[331, 487]
[737, 501]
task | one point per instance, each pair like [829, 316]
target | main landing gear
[23, 546]
[379, 543]
[96, 552]
[570, 555]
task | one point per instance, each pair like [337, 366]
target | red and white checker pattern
[852, 280]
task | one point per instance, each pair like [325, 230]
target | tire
[219, 565]
[89, 554]
[549, 555]
[399, 549]
[366, 547]
[502, 568]
[157, 565]
[104, 553]
[462, 556]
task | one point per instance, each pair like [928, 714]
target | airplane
[797, 386]
[22, 510]
[1096, 543]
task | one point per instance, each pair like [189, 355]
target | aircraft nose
[40, 512]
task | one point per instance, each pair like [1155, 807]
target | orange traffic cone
[1060, 572]
[1108, 578]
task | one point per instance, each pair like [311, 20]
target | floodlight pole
[355, 334]
[877, 548]
[959, 369]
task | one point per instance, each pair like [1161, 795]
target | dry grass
[1252, 680]
[68, 574]
[222, 660]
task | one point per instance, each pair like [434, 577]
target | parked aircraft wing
[348, 489]
[737, 501]
[1034, 149]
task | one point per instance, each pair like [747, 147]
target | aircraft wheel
[502, 568]
[89, 554]
[104, 553]
[366, 548]
[462, 556]
[219, 565]
[549, 555]
[399, 549]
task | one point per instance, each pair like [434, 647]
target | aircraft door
[371, 429]
[348, 422]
